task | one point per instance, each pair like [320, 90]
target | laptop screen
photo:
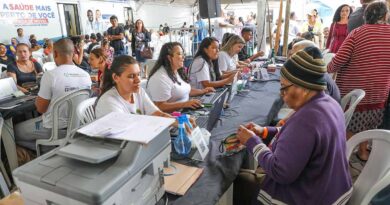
[7, 88]
[215, 112]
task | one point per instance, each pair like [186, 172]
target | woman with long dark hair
[140, 38]
[204, 71]
[121, 91]
[167, 84]
[338, 30]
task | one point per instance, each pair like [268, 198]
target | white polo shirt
[161, 88]
[111, 101]
[200, 71]
[226, 62]
[57, 83]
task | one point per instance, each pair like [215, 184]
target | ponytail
[117, 67]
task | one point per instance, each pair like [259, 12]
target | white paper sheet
[129, 127]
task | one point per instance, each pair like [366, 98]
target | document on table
[129, 127]
[182, 178]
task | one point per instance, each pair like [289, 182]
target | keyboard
[15, 101]
[202, 121]
[208, 99]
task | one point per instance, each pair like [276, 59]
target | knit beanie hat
[306, 68]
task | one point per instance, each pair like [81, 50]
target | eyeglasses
[181, 54]
[284, 89]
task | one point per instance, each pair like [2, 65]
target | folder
[181, 179]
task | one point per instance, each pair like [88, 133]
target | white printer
[97, 171]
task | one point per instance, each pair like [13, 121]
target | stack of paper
[129, 127]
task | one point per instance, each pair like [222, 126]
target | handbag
[230, 145]
[147, 52]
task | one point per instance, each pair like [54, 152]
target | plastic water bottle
[182, 143]
[246, 74]
[272, 60]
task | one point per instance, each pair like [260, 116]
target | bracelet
[265, 133]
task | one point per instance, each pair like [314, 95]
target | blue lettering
[42, 8]
[46, 15]
[31, 15]
[5, 7]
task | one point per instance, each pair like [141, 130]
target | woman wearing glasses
[305, 163]
[167, 85]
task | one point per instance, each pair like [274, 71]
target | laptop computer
[209, 121]
[232, 89]
[210, 98]
[8, 93]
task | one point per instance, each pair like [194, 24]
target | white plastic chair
[48, 66]
[375, 175]
[85, 111]
[37, 54]
[351, 99]
[149, 64]
[71, 100]
[328, 57]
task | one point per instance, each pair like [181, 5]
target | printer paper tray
[90, 150]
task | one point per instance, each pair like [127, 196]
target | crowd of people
[304, 163]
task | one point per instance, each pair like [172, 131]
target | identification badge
[200, 143]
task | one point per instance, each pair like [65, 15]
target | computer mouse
[207, 94]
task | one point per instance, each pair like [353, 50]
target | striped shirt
[363, 61]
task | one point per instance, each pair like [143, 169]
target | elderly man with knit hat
[331, 87]
[305, 163]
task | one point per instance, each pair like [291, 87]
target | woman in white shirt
[203, 72]
[228, 57]
[167, 85]
[121, 90]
